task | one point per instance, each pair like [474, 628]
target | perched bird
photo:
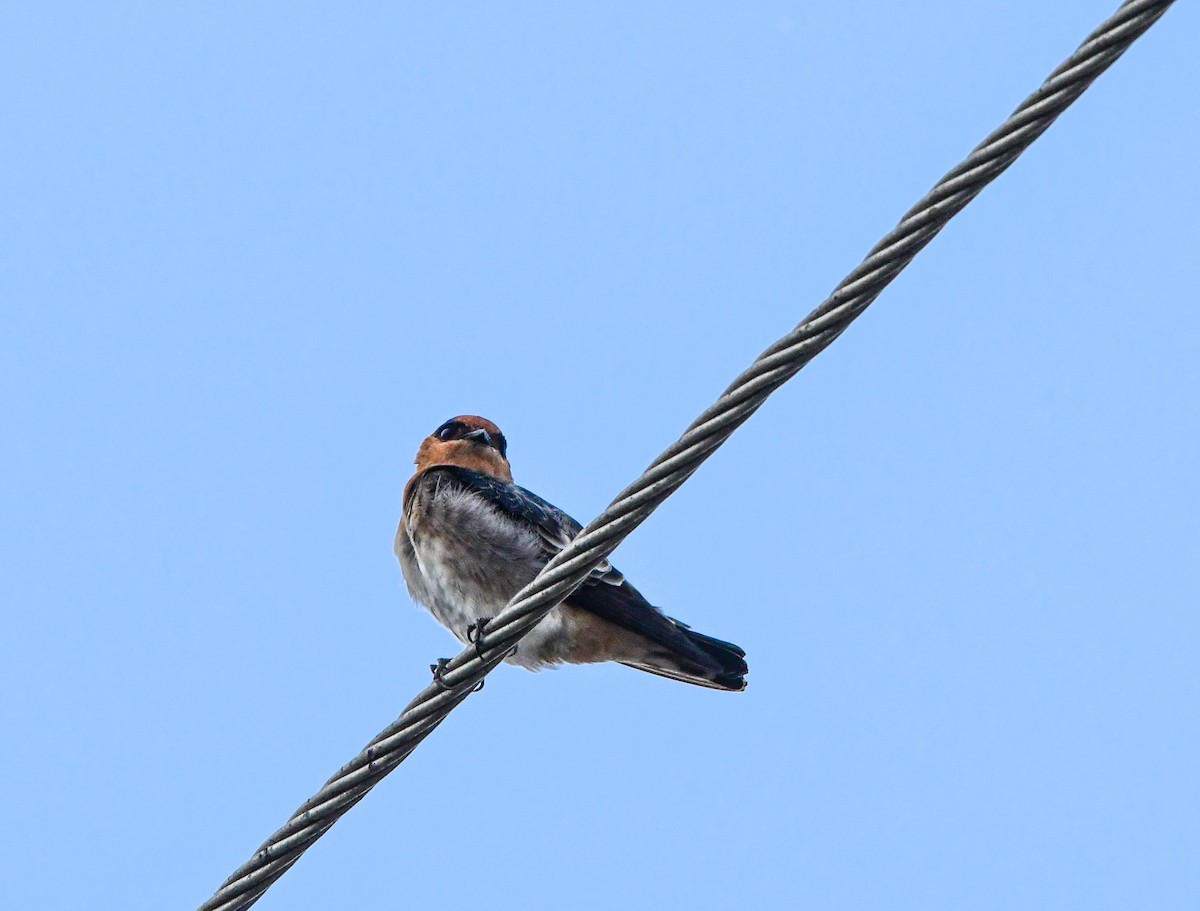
[470, 539]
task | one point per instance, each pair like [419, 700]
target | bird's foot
[473, 632]
[439, 670]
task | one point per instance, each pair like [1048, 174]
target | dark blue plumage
[471, 538]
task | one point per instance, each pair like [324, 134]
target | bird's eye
[448, 431]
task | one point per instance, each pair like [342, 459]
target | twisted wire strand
[779, 363]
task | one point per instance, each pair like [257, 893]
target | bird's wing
[605, 592]
[681, 654]
[554, 527]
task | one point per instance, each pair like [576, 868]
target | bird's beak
[479, 436]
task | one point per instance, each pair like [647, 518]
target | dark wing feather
[554, 527]
[684, 654]
[617, 601]
[625, 606]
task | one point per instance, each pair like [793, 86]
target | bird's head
[467, 441]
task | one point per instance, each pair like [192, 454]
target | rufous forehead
[475, 422]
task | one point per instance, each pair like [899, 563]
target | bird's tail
[709, 662]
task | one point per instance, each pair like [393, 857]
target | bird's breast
[464, 560]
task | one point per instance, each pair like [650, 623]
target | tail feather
[719, 682]
[713, 663]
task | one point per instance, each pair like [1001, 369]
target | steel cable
[770, 370]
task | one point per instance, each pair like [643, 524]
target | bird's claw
[439, 670]
[473, 632]
[473, 636]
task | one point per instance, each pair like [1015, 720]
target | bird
[469, 539]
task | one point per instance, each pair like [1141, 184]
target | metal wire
[770, 370]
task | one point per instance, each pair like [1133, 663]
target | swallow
[469, 539]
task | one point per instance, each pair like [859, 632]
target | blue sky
[251, 255]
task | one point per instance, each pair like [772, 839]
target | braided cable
[775, 366]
